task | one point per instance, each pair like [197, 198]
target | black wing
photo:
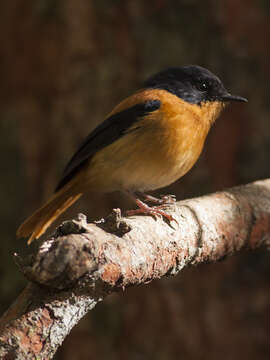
[105, 134]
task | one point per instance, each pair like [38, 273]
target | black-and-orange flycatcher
[147, 142]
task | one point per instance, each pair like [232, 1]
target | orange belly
[159, 150]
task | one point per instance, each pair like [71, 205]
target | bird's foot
[155, 211]
[163, 200]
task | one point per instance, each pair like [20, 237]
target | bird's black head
[191, 83]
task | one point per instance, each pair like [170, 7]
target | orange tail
[38, 223]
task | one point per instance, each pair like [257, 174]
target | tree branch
[82, 263]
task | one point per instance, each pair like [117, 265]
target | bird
[148, 141]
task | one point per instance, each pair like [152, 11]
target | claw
[168, 199]
[165, 199]
[154, 210]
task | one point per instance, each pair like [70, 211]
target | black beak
[229, 97]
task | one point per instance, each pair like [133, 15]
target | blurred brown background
[63, 66]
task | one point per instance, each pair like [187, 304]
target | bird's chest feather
[164, 147]
[158, 150]
[175, 141]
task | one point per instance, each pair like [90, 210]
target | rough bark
[82, 263]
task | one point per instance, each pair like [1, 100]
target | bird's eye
[203, 86]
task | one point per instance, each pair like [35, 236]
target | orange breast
[164, 146]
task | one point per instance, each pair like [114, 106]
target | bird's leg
[146, 209]
[163, 200]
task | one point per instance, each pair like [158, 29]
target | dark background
[63, 66]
